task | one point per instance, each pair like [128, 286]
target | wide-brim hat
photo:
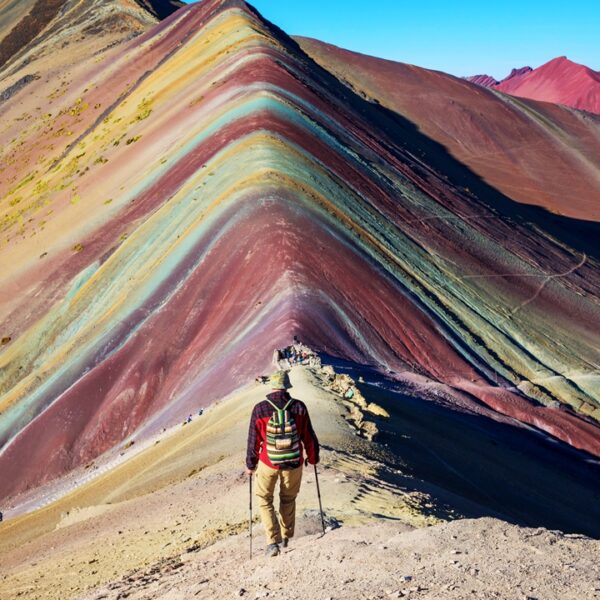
[280, 381]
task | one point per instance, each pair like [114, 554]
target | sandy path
[482, 558]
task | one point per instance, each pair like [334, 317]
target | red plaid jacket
[257, 432]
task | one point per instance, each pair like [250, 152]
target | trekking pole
[319, 495]
[250, 525]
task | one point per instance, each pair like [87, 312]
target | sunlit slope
[559, 80]
[204, 193]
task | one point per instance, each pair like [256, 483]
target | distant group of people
[189, 419]
[296, 354]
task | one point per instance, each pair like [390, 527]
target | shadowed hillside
[535, 153]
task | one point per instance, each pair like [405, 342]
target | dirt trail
[482, 558]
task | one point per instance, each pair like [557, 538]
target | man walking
[279, 433]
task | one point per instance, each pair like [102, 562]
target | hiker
[280, 432]
[276, 357]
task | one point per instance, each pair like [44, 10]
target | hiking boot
[285, 542]
[272, 550]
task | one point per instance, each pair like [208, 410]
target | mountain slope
[534, 153]
[198, 195]
[490, 82]
[22, 22]
[31, 30]
[560, 81]
[482, 80]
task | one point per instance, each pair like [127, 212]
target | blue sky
[462, 38]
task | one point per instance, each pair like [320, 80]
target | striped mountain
[177, 204]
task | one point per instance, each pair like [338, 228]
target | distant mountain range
[560, 81]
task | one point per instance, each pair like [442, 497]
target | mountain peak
[560, 81]
[566, 66]
[482, 80]
[517, 72]
[561, 62]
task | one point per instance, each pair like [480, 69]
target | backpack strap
[280, 411]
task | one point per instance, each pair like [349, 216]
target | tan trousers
[289, 486]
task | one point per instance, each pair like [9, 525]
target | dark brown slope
[161, 9]
[99, 15]
[28, 28]
[535, 153]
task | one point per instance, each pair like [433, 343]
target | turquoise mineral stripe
[81, 279]
[292, 168]
[260, 101]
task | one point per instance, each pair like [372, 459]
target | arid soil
[483, 558]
